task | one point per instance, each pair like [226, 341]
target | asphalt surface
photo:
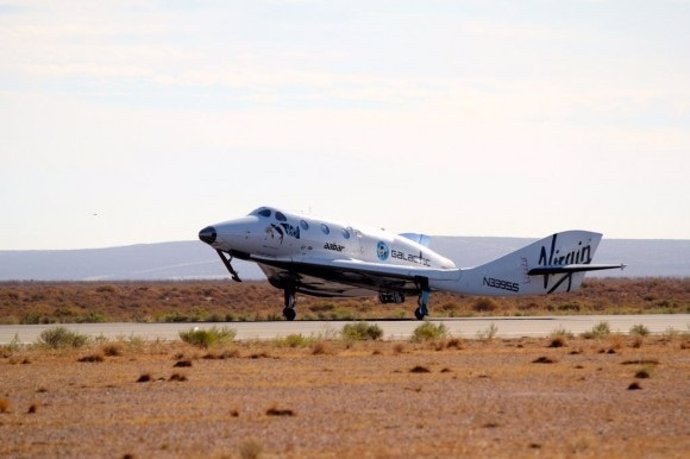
[506, 327]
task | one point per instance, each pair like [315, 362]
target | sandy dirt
[376, 399]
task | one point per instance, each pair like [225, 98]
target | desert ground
[223, 300]
[565, 396]
[597, 395]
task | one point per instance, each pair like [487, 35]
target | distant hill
[195, 260]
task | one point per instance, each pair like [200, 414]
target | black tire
[418, 314]
[289, 314]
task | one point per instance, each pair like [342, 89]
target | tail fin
[554, 264]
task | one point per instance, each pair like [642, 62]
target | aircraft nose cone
[208, 235]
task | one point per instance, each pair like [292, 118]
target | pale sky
[473, 118]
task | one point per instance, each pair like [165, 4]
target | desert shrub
[644, 373]
[319, 348]
[559, 337]
[250, 449]
[325, 307]
[557, 341]
[640, 362]
[484, 305]
[112, 349]
[207, 337]
[637, 342]
[105, 289]
[60, 337]
[569, 306]
[273, 411]
[454, 342]
[639, 330]
[31, 318]
[429, 331]
[294, 340]
[361, 331]
[177, 377]
[562, 332]
[600, 330]
[4, 405]
[419, 369]
[90, 318]
[175, 317]
[91, 358]
[10, 348]
[488, 333]
[671, 333]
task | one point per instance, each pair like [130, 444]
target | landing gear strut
[228, 266]
[289, 309]
[423, 300]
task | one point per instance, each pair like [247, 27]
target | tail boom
[554, 264]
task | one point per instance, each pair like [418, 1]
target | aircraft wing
[336, 277]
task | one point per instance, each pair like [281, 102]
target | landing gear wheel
[289, 313]
[419, 314]
[289, 310]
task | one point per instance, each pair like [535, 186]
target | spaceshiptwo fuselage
[302, 254]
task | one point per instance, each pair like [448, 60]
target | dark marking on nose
[208, 235]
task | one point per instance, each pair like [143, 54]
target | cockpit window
[264, 212]
[346, 233]
[280, 217]
[304, 225]
[325, 228]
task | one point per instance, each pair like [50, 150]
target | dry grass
[273, 411]
[219, 301]
[113, 349]
[543, 359]
[91, 358]
[250, 449]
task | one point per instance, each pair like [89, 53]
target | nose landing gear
[228, 266]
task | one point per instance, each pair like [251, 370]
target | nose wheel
[289, 309]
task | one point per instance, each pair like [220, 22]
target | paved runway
[468, 327]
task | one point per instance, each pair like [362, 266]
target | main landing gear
[422, 310]
[423, 301]
[289, 309]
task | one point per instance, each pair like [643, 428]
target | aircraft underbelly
[331, 283]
